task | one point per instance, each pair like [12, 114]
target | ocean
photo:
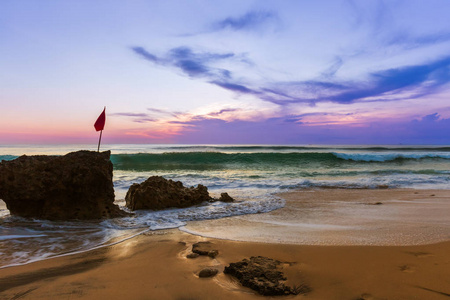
[252, 174]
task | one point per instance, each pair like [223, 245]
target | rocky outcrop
[263, 275]
[159, 193]
[77, 185]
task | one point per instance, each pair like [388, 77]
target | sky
[225, 72]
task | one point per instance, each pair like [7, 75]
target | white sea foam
[381, 157]
[50, 239]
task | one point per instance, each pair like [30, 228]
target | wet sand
[154, 266]
[381, 217]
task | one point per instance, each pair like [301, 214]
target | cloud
[405, 82]
[410, 41]
[222, 111]
[430, 129]
[195, 65]
[418, 80]
[335, 66]
[130, 114]
[141, 51]
[238, 88]
[431, 118]
[375, 16]
[399, 80]
[163, 112]
[136, 117]
[251, 20]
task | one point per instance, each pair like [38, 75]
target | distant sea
[252, 174]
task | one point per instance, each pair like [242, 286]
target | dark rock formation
[205, 248]
[159, 193]
[263, 275]
[224, 197]
[77, 185]
[208, 272]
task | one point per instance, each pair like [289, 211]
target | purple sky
[253, 72]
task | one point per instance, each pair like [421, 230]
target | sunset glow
[290, 72]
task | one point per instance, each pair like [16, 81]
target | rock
[263, 275]
[224, 197]
[192, 255]
[208, 272]
[159, 193]
[383, 186]
[213, 253]
[205, 248]
[77, 185]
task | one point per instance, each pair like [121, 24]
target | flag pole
[100, 125]
[99, 141]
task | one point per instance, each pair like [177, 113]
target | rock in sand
[205, 248]
[263, 275]
[208, 272]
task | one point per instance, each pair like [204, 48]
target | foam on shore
[342, 217]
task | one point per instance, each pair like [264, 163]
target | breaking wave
[219, 160]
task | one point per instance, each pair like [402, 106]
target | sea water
[253, 175]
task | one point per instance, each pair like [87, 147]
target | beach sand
[154, 265]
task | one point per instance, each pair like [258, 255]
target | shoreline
[384, 217]
[153, 265]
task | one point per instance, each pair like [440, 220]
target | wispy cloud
[135, 117]
[416, 80]
[251, 20]
[410, 41]
[234, 87]
[141, 51]
[222, 111]
[195, 65]
[429, 129]
[157, 111]
[383, 85]
[126, 114]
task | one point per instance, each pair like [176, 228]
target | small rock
[376, 203]
[213, 253]
[224, 197]
[205, 248]
[192, 255]
[208, 272]
[263, 275]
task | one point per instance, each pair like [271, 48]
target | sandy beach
[154, 265]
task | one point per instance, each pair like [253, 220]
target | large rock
[160, 193]
[263, 275]
[77, 185]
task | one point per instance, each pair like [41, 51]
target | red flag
[100, 123]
